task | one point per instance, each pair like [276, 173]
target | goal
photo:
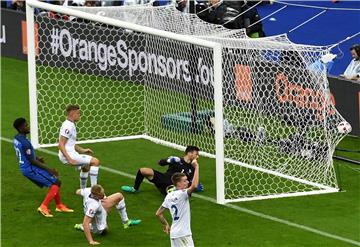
[259, 107]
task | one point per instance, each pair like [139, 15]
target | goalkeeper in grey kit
[163, 180]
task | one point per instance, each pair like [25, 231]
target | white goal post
[261, 108]
[217, 50]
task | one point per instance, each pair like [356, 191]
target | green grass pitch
[321, 220]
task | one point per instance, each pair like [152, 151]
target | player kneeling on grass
[163, 180]
[72, 154]
[178, 203]
[36, 171]
[96, 208]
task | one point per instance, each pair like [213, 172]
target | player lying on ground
[96, 208]
[72, 154]
[35, 170]
[178, 204]
[163, 180]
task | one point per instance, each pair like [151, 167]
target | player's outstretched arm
[160, 215]
[61, 147]
[195, 181]
[163, 162]
[82, 150]
[172, 160]
[87, 232]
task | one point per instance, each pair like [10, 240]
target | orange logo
[24, 38]
[303, 97]
[243, 83]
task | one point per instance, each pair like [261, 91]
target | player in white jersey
[72, 154]
[96, 207]
[178, 203]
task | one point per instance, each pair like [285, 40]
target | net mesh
[280, 126]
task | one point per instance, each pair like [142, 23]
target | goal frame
[218, 99]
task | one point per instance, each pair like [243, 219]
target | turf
[212, 225]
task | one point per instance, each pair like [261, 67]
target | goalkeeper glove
[200, 188]
[173, 160]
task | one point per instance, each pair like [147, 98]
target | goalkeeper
[163, 180]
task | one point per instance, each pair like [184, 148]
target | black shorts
[161, 181]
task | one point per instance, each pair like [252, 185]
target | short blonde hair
[176, 177]
[97, 189]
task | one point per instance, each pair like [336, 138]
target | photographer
[352, 71]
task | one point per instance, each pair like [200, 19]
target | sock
[121, 207]
[94, 170]
[58, 198]
[138, 180]
[54, 189]
[83, 179]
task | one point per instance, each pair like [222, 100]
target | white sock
[94, 170]
[121, 207]
[83, 179]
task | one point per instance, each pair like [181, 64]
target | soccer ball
[344, 127]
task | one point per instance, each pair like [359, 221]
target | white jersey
[178, 204]
[94, 209]
[68, 130]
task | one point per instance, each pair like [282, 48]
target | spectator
[181, 5]
[215, 14]
[90, 3]
[234, 15]
[237, 5]
[250, 17]
[18, 5]
[352, 71]
[55, 15]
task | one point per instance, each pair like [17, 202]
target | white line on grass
[228, 205]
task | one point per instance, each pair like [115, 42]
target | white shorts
[185, 241]
[98, 229]
[81, 159]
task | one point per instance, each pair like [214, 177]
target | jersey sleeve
[163, 162]
[65, 131]
[91, 210]
[165, 203]
[191, 174]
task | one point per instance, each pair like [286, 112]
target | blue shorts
[39, 176]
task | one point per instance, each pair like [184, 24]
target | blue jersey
[24, 151]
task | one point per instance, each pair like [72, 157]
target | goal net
[153, 73]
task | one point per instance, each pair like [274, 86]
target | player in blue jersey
[35, 170]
